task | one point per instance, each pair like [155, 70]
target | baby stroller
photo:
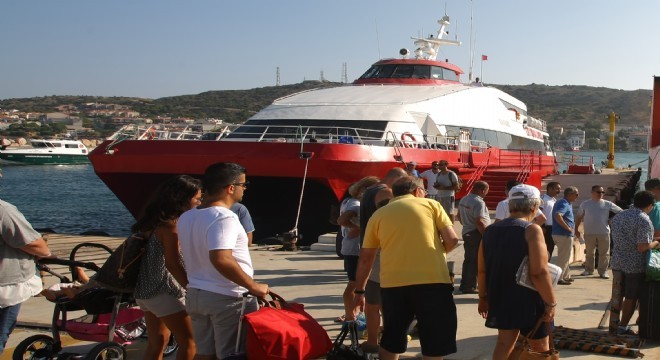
[112, 319]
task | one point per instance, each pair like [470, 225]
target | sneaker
[587, 273]
[564, 282]
[605, 276]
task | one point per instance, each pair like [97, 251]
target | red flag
[484, 57]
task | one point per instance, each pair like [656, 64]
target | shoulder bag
[522, 350]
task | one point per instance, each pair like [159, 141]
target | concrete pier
[317, 280]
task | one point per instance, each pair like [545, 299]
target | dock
[317, 280]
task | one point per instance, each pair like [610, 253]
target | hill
[558, 105]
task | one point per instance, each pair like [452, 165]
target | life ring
[407, 135]
[610, 157]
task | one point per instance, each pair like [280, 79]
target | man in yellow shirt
[414, 235]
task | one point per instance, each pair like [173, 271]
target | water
[68, 199]
[71, 199]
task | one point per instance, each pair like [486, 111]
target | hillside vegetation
[558, 105]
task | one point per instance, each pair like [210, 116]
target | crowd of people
[397, 233]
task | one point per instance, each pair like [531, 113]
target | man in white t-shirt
[429, 177]
[214, 246]
[548, 202]
[446, 183]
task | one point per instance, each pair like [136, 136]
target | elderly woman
[507, 306]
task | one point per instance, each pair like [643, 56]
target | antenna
[471, 42]
[377, 38]
[277, 77]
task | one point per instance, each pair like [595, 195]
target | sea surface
[71, 199]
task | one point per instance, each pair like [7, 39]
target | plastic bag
[653, 265]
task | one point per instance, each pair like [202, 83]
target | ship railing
[479, 145]
[294, 133]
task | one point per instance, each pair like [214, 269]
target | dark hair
[643, 199]
[651, 184]
[406, 185]
[479, 185]
[167, 202]
[552, 185]
[595, 187]
[570, 190]
[220, 175]
[510, 184]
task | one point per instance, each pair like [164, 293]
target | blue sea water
[68, 199]
[71, 199]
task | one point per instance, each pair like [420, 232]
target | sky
[158, 48]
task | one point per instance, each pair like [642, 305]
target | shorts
[215, 320]
[372, 293]
[432, 305]
[162, 305]
[447, 203]
[631, 284]
[350, 266]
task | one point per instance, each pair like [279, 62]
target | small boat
[51, 151]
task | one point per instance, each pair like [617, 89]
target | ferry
[304, 150]
[51, 152]
[654, 137]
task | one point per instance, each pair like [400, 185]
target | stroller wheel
[107, 351]
[171, 346]
[35, 347]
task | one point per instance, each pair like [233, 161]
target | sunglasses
[243, 184]
[600, 192]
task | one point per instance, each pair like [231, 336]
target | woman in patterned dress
[160, 290]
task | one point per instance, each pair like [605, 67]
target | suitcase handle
[276, 301]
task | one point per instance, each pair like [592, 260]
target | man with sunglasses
[214, 246]
[595, 213]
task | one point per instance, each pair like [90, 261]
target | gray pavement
[317, 280]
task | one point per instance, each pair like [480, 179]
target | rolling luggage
[649, 310]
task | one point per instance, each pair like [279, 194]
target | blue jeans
[8, 316]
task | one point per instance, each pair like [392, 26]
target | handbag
[283, 330]
[340, 351]
[120, 271]
[524, 279]
[522, 351]
[653, 265]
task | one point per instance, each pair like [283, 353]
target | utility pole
[610, 156]
[277, 80]
[344, 73]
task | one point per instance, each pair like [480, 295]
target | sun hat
[523, 191]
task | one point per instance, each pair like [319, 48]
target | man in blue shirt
[563, 230]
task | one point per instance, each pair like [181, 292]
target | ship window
[320, 129]
[491, 137]
[504, 140]
[384, 71]
[370, 73]
[403, 72]
[55, 145]
[421, 72]
[449, 74]
[478, 134]
[71, 146]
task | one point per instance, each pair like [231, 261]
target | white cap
[524, 192]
